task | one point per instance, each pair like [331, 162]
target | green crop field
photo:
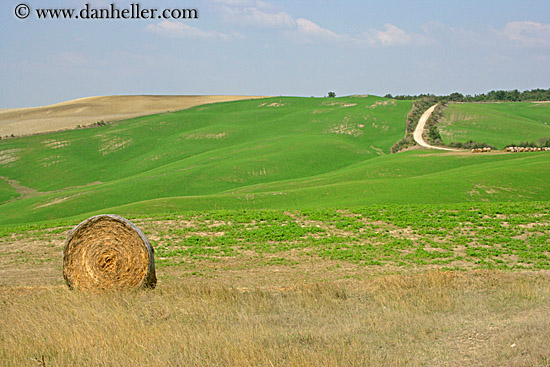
[452, 236]
[497, 124]
[285, 152]
[206, 150]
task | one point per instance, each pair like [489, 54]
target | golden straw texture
[108, 252]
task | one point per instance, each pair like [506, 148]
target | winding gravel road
[420, 128]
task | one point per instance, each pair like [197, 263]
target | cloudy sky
[270, 47]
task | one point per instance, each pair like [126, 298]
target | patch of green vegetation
[457, 236]
[6, 192]
[205, 150]
[497, 124]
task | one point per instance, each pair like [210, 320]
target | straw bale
[108, 252]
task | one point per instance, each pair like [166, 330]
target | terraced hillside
[498, 124]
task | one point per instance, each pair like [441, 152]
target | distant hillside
[86, 111]
[284, 152]
[497, 124]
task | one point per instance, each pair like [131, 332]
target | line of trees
[540, 143]
[432, 135]
[492, 96]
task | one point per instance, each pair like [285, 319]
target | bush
[541, 143]
[470, 144]
[433, 135]
[406, 142]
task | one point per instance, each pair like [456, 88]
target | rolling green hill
[497, 124]
[286, 152]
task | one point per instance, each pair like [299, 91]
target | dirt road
[420, 128]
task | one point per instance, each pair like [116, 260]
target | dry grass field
[258, 306]
[427, 319]
[86, 111]
[480, 318]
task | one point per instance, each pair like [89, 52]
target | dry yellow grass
[433, 318]
[86, 111]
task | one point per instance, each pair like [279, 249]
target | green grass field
[206, 150]
[449, 236]
[285, 152]
[497, 124]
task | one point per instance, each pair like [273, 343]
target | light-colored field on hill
[86, 111]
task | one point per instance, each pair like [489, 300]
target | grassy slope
[6, 191]
[497, 124]
[201, 151]
[491, 181]
[86, 111]
[271, 153]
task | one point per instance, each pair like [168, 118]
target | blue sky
[262, 47]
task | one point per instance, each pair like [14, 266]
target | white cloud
[519, 33]
[258, 17]
[181, 30]
[307, 27]
[242, 2]
[527, 33]
[392, 35]
[263, 15]
[254, 13]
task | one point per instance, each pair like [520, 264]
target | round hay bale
[108, 252]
